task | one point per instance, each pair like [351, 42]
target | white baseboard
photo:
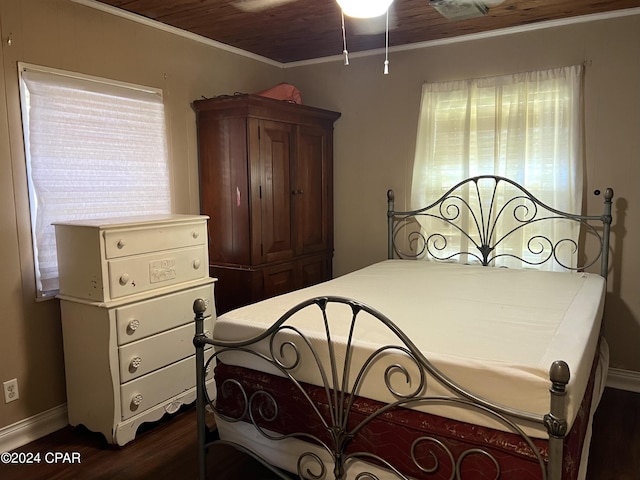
[623, 379]
[30, 429]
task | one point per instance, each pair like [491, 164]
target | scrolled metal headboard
[483, 213]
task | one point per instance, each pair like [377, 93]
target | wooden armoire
[266, 182]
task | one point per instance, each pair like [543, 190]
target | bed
[472, 352]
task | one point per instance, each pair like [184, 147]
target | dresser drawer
[122, 243]
[133, 275]
[158, 314]
[89, 250]
[147, 391]
[149, 354]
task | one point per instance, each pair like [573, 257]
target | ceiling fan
[450, 9]
[370, 17]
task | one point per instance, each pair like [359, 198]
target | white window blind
[94, 148]
[527, 127]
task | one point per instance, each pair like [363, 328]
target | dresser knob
[135, 363]
[195, 234]
[136, 400]
[124, 279]
[134, 324]
[196, 264]
[121, 243]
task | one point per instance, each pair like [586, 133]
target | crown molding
[173, 30]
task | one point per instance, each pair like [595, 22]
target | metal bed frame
[456, 206]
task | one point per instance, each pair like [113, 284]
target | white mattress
[494, 331]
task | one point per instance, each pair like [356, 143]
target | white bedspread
[494, 331]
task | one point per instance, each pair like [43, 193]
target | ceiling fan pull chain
[386, 47]
[344, 41]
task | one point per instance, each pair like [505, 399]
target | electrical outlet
[11, 390]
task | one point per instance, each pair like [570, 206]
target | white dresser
[127, 288]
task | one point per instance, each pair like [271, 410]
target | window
[526, 127]
[94, 148]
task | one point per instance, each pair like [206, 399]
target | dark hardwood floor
[167, 450]
[615, 446]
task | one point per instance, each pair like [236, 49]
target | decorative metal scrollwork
[306, 471]
[342, 380]
[476, 451]
[434, 458]
[478, 220]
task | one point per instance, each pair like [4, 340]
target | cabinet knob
[121, 243]
[196, 264]
[124, 279]
[133, 325]
[195, 234]
[136, 400]
[135, 363]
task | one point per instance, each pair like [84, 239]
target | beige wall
[375, 139]
[64, 35]
[373, 151]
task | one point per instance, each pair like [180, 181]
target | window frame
[102, 86]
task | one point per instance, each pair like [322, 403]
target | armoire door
[274, 190]
[311, 190]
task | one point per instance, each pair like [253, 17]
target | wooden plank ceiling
[293, 30]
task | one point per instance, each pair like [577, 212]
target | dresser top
[132, 221]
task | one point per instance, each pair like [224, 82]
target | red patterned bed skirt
[391, 434]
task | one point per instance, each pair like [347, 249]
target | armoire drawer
[148, 317]
[141, 273]
[149, 390]
[149, 354]
[122, 243]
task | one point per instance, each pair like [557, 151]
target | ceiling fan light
[364, 8]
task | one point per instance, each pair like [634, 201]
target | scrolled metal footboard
[284, 346]
[476, 219]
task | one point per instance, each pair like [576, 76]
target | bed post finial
[199, 306]
[608, 195]
[559, 375]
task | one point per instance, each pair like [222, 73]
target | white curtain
[527, 127]
[94, 148]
